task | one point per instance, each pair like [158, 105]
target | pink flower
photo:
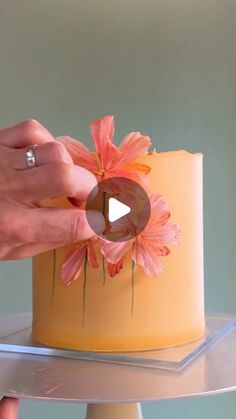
[114, 268]
[77, 257]
[108, 160]
[148, 247]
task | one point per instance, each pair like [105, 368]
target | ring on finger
[31, 156]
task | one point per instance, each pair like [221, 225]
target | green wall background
[163, 67]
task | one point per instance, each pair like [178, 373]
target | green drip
[103, 259]
[85, 283]
[53, 274]
[132, 278]
[103, 202]
[103, 270]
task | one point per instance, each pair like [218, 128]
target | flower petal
[160, 213]
[73, 264]
[101, 128]
[122, 225]
[148, 258]
[92, 257]
[102, 133]
[164, 234]
[140, 167]
[133, 146]
[115, 251]
[157, 221]
[79, 153]
[158, 204]
[158, 228]
[114, 268]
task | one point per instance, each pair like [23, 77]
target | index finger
[25, 133]
[9, 408]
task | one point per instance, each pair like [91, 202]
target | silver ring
[30, 155]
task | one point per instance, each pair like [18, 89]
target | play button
[117, 209]
[125, 206]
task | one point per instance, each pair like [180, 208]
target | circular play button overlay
[125, 206]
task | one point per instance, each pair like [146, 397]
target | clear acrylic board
[16, 338]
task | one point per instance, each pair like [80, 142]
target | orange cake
[135, 309]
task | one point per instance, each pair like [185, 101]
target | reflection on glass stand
[113, 384]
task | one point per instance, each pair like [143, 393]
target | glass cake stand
[113, 384]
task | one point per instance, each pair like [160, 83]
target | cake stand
[114, 390]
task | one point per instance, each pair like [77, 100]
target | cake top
[175, 153]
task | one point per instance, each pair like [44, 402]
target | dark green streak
[103, 270]
[103, 259]
[103, 202]
[132, 277]
[85, 283]
[53, 273]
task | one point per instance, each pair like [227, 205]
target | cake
[128, 306]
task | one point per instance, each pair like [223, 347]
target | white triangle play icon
[117, 209]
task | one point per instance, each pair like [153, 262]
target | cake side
[168, 309]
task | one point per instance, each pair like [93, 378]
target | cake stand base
[114, 411]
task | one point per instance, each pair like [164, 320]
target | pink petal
[122, 225]
[165, 234]
[154, 246]
[101, 128]
[92, 257]
[133, 146]
[114, 268]
[115, 251]
[157, 221]
[158, 228]
[130, 222]
[79, 153]
[148, 258]
[158, 204]
[102, 132]
[73, 264]
[159, 213]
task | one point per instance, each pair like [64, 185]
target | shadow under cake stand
[113, 385]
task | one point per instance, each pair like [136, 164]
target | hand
[9, 408]
[26, 227]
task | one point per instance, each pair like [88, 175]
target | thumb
[56, 225]
[9, 408]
